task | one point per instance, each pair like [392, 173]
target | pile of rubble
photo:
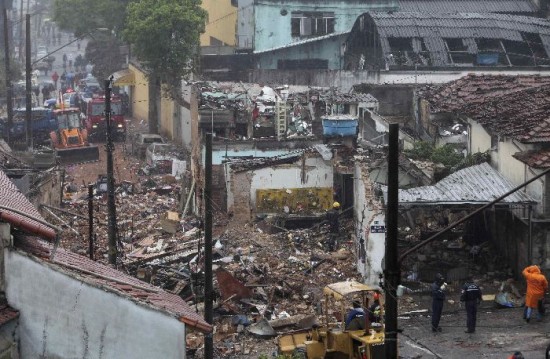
[260, 276]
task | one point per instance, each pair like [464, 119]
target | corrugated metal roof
[476, 184]
[304, 42]
[433, 28]
[457, 25]
[496, 6]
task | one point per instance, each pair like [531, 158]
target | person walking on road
[55, 77]
[438, 298]
[537, 285]
[471, 296]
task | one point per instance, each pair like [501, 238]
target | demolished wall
[370, 227]
[310, 172]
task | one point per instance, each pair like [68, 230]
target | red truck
[96, 124]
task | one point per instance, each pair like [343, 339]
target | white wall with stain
[62, 317]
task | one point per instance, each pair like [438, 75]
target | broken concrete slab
[262, 329]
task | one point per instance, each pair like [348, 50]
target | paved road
[499, 333]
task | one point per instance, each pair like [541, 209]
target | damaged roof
[304, 42]
[496, 6]
[7, 313]
[455, 95]
[535, 159]
[509, 106]
[427, 34]
[457, 25]
[338, 97]
[12, 198]
[110, 279]
[477, 184]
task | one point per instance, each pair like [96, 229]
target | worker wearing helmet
[333, 219]
[375, 310]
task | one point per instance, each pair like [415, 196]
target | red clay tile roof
[7, 313]
[11, 197]
[511, 106]
[535, 159]
[453, 96]
[109, 278]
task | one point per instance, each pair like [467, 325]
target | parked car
[142, 140]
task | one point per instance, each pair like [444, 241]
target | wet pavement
[499, 333]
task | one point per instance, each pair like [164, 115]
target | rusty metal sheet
[230, 286]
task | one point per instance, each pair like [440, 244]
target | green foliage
[104, 53]
[422, 150]
[446, 155]
[473, 159]
[15, 75]
[83, 16]
[165, 36]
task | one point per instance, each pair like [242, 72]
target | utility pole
[91, 220]
[110, 180]
[28, 85]
[21, 32]
[9, 91]
[208, 286]
[391, 270]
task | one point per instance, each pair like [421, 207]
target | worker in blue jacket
[438, 298]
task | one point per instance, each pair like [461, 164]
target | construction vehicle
[96, 125]
[332, 339]
[70, 140]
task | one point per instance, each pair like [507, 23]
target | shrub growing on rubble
[421, 151]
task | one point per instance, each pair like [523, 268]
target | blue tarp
[487, 59]
[339, 127]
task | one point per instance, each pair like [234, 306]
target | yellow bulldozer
[358, 339]
[70, 141]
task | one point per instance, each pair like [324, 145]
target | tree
[103, 51]
[165, 38]
[82, 16]
[16, 75]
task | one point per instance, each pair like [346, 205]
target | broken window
[537, 48]
[458, 51]
[490, 52]
[311, 24]
[400, 49]
[421, 53]
[519, 53]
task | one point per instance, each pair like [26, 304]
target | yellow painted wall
[298, 200]
[166, 125]
[140, 95]
[221, 23]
